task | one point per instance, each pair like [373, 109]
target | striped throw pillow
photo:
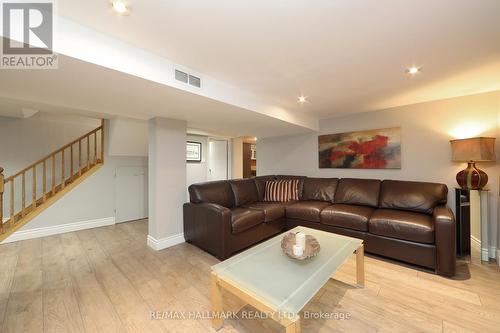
[282, 190]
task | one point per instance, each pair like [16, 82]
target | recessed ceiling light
[413, 70]
[120, 6]
[302, 99]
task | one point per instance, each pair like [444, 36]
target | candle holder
[311, 249]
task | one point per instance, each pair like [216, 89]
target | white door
[217, 159]
[131, 193]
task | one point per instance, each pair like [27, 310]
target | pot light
[120, 7]
[413, 70]
[302, 99]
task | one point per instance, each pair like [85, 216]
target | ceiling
[346, 56]
[82, 88]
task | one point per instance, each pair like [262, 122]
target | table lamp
[472, 150]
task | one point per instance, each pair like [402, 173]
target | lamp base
[471, 178]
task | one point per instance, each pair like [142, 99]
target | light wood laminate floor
[108, 280]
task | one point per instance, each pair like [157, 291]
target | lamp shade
[481, 149]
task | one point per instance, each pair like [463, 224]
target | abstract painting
[373, 149]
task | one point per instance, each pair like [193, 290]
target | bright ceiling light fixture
[120, 6]
[302, 99]
[413, 70]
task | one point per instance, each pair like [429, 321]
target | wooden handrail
[53, 153]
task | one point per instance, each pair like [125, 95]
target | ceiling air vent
[194, 81]
[181, 76]
[187, 78]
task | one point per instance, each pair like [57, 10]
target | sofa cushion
[244, 190]
[347, 216]
[282, 190]
[306, 210]
[362, 192]
[218, 192]
[260, 183]
[272, 210]
[243, 219]
[415, 196]
[300, 178]
[399, 224]
[319, 189]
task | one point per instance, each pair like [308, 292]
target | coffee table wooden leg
[216, 296]
[360, 266]
[294, 327]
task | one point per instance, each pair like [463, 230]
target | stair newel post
[1, 199]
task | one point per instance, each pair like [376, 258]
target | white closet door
[131, 193]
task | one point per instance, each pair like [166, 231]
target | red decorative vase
[472, 178]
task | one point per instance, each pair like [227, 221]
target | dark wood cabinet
[462, 212]
[247, 160]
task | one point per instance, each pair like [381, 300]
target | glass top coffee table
[278, 286]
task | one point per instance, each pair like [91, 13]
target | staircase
[26, 194]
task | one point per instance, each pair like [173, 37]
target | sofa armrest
[444, 226]
[208, 226]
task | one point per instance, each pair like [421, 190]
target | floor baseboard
[493, 252]
[163, 243]
[58, 229]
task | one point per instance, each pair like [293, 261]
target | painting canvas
[373, 149]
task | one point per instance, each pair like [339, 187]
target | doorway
[217, 159]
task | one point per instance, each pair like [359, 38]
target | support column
[167, 181]
[237, 158]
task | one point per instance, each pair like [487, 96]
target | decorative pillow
[282, 190]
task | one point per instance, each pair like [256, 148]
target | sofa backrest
[244, 190]
[364, 192]
[319, 189]
[217, 192]
[413, 196]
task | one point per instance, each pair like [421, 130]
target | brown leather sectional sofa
[407, 221]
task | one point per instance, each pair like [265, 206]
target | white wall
[197, 172]
[128, 137]
[237, 158]
[426, 129]
[94, 199]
